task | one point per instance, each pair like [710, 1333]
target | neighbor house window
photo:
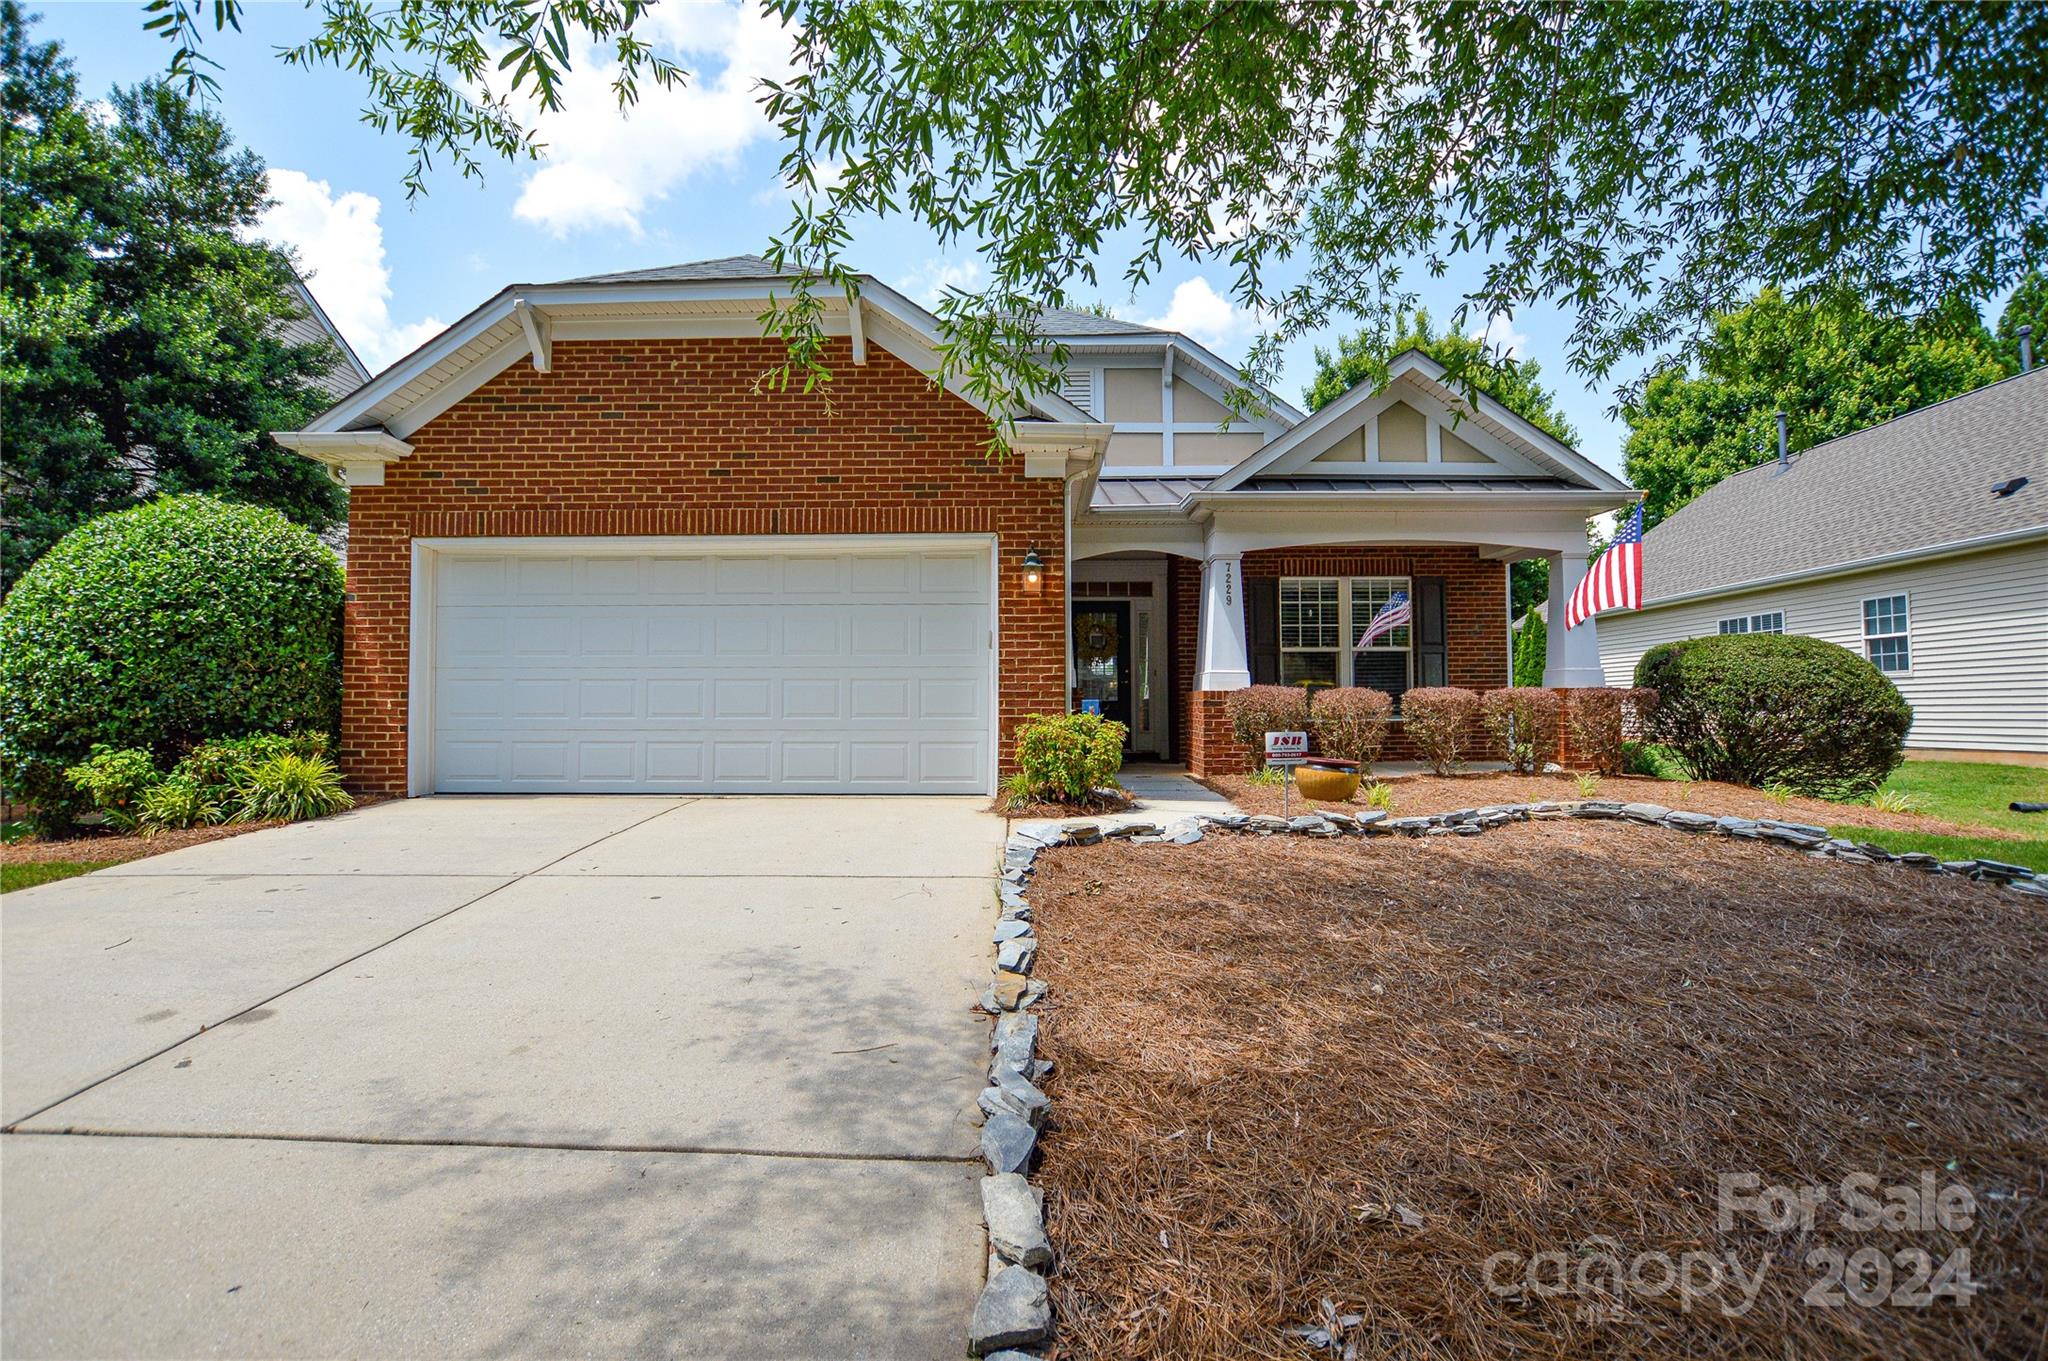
[1321, 621]
[1773, 622]
[1886, 637]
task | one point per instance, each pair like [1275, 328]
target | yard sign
[1286, 748]
[1285, 751]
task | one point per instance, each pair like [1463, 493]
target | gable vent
[1078, 387]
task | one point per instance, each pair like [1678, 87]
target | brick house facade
[671, 437]
[595, 547]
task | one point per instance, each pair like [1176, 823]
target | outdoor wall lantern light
[1034, 570]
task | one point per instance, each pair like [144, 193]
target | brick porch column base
[1212, 748]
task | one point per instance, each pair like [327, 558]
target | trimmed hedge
[1600, 720]
[1773, 710]
[1351, 723]
[1522, 723]
[1259, 709]
[1443, 722]
[159, 627]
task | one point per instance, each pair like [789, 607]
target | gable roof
[421, 384]
[1413, 367]
[725, 267]
[1914, 486]
[312, 327]
[1061, 322]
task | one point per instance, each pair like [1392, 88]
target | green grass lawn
[2033, 854]
[1969, 792]
[1976, 793]
[14, 877]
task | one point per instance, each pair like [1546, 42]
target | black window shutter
[1432, 663]
[1262, 628]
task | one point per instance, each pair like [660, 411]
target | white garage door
[848, 672]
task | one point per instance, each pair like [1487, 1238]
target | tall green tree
[1831, 367]
[2028, 306]
[1646, 165]
[1363, 356]
[140, 347]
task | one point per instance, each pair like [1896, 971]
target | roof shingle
[1919, 481]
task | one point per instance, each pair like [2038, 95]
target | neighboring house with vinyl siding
[1921, 543]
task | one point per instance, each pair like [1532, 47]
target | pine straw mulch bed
[1416, 794]
[1530, 1040]
[1101, 803]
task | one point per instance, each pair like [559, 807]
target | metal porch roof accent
[1919, 482]
[1167, 493]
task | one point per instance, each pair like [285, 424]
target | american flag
[1392, 615]
[1615, 581]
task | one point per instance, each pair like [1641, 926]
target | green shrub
[159, 627]
[114, 780]
[1351, 723]
[1259, 709]
[174, 803]
[1522, 722]
[1443, 722]
[1647, 758]
[290, 788]
[216, 769]
[1069, 756]
[1531, 650]
[1599, 718]
[1772, 710]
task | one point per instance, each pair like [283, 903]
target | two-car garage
[846, 665]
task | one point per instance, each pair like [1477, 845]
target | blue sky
[687, 175]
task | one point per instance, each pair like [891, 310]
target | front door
[1102, 657]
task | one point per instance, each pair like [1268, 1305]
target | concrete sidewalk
[505, 1076]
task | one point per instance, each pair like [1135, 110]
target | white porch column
[1572, 656]
[1221, 661]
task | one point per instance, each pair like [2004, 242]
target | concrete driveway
[505, 1076]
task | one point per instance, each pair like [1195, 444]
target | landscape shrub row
[267, 777]
[1448, 726]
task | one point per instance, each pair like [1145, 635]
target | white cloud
[1500, 333]
[930, 280]
[1199, 311]
[603, 165]
[341, 251]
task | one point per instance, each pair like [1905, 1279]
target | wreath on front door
[1098, 639]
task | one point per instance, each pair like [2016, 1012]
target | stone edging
[1014, 1310]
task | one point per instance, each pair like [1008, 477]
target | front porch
[1367, 546]
[1160, 639]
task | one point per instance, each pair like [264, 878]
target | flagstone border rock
[1014, 1310]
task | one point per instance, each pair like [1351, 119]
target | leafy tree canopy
[1364, 356]
[139, 340]
[2028, 306]
[1643, 164]
[1832, 368]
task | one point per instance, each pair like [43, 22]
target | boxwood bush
[159, 627]
[1769, 710]
[1443, 723]
[1257, 710]
[1351, 723]
[1067, 757]
[1522, 722]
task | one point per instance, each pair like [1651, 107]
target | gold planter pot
[1326, 786]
